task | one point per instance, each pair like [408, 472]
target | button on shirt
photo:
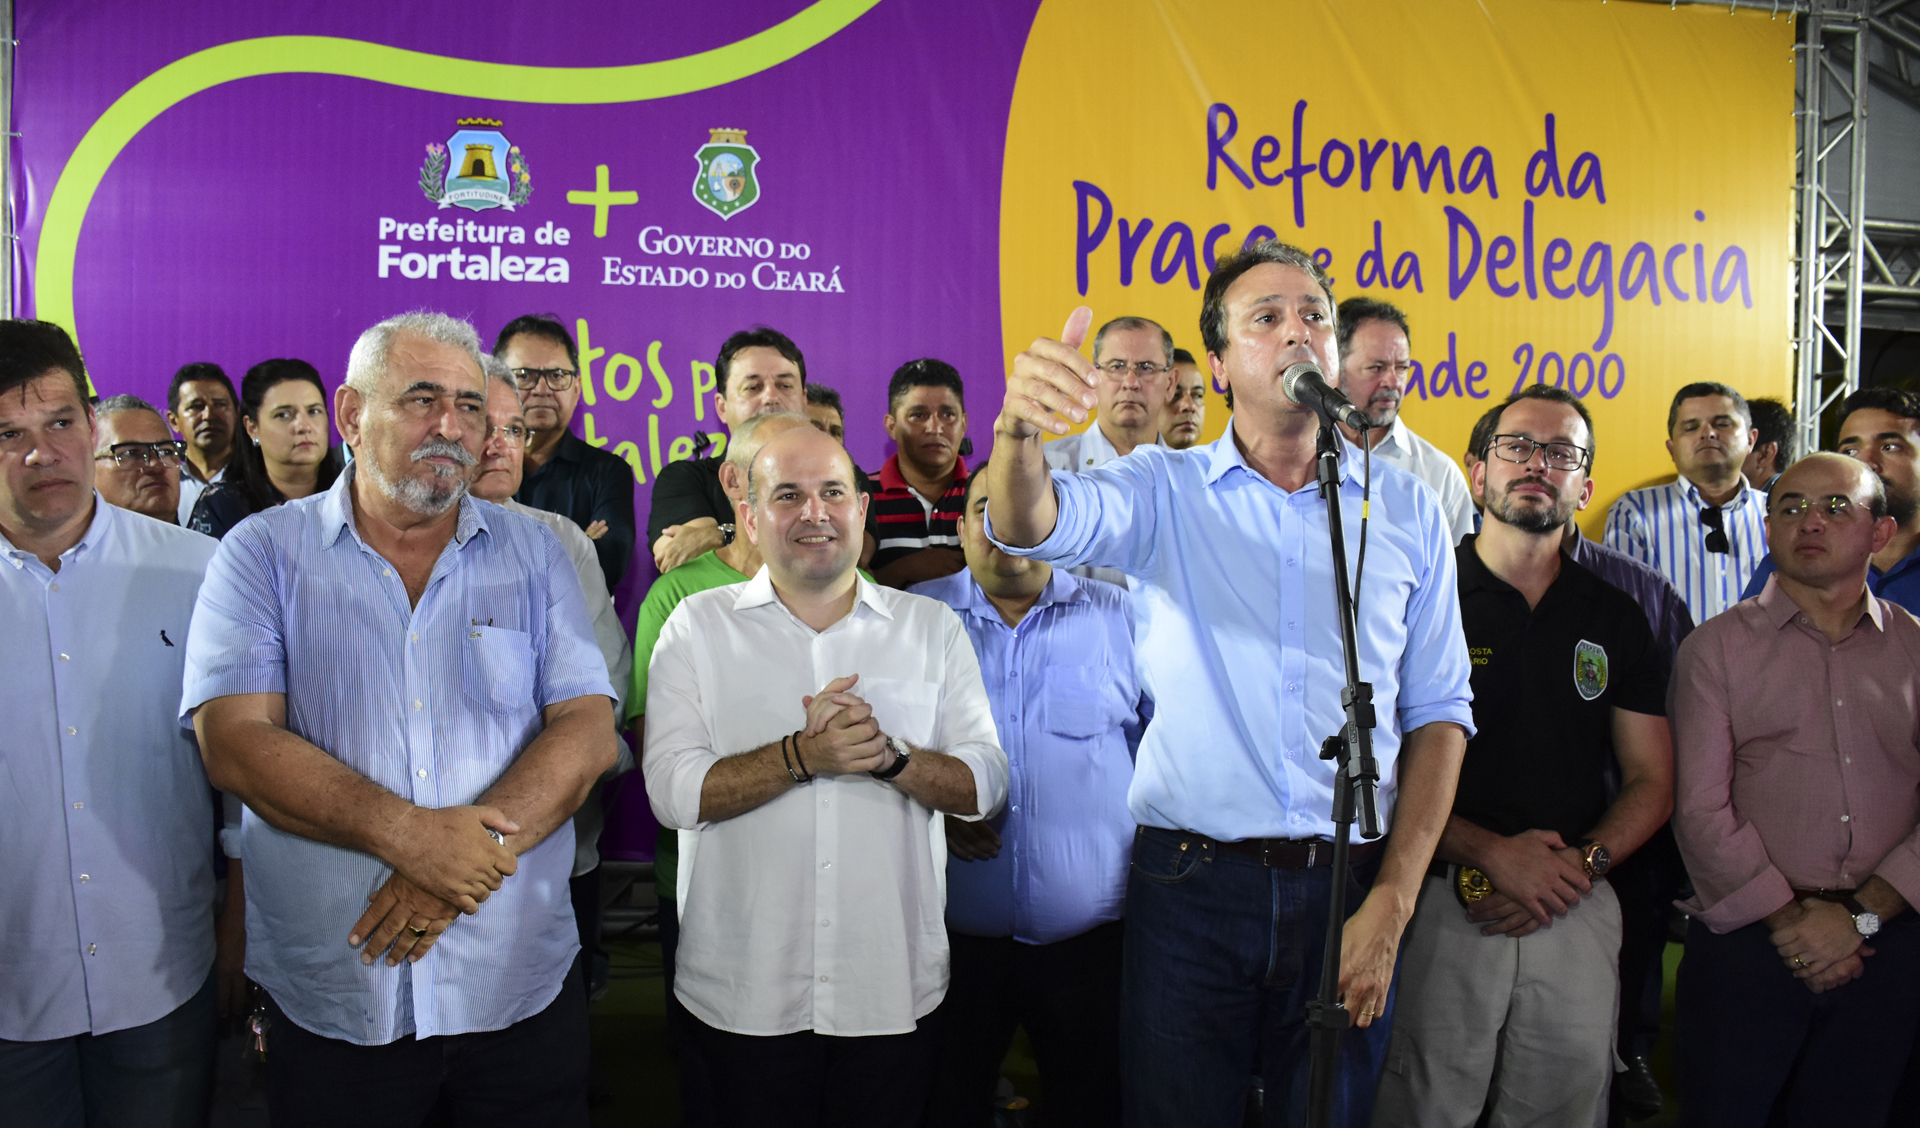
[106, 907]
[1077, 454]
[1661, 526]
[1063, 691]
[431, 702]
[1238, 638]
[1546, 681]
[1399, 446]
[822, 909]
[1797, 760]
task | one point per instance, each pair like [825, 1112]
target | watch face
[1866, 923]
[1598, 860]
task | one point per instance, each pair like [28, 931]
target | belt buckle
[1313, 852]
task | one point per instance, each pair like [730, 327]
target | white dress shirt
[591, 818]
[106, 820]
[1077, 454]
[1401, 447]
[823, 909]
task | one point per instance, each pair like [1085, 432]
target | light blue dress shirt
[1063, 691]
[1660, 526]
[1239, 640]
[106, 820]
[431, 702]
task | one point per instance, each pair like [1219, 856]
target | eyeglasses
[1794, 509]
[1715, 521]
[128, 455]
[1519, 448]
[1145, 369]
[558, 379]
[512, 432]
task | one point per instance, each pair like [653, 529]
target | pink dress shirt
[1797, 760]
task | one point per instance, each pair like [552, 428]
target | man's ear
[744, 523]
[730, 481]
[892, 426]
[348, 403]
[1586, 495]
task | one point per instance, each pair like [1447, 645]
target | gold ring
[416, 931]
[1798, 962]
[1366, 1014]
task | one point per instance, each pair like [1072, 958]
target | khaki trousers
[1522, 1027]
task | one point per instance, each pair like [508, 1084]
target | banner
[1591, 195]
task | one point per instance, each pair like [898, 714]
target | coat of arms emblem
[477, 169]
[1589, 669]
[726, 184]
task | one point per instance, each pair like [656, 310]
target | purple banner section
[280, 215]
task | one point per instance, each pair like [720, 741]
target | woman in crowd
[284, 408]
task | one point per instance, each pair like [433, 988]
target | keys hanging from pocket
[257, 1026]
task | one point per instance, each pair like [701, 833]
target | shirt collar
[336, 514]
[1692, 494]
[1780, 608]
[1223, 455]
[569, 448]
[891, 478]
[758, 592]
[99, 527]
[1062, 587]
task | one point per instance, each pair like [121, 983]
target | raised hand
[1051, 385]
[448, 853]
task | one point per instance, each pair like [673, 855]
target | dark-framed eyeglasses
[1145, 369]
[1715, 521]
[512, 432]
[1520, 449]
[127, 456]
[558, 379]
[1794, 508]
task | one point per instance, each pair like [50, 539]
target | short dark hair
[1893, 401]
[1707, 388]
[198, 370]
[975, 473]
[1213, 302]
[758, 337]
[1482, 433]
[1182, 356]
[1357, 311]
[924, 373]
[822, 396]
[1774, 420]
[544, 325]
[1551, 394]
[31, 349]
[247, 471]
[1127, 323]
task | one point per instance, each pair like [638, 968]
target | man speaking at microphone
[1240, 648]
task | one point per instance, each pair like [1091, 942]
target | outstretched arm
[1049, 390]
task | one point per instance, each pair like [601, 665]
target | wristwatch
[726, 535]
[899, 761]
[1865, 921]
[1594, 858]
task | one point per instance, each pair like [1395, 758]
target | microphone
[1306, 385]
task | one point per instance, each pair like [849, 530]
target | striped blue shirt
[431, 702]
[1661, 527]
[1238, 637]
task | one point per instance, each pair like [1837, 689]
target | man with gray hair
[1134, 357]
[497, 479]
[402, 685]
[136, 460]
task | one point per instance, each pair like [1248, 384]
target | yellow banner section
[1594, 195]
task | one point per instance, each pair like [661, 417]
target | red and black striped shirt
[907, 522]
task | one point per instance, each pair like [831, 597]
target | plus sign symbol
[601, 198]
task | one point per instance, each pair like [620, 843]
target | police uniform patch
[1589, 669]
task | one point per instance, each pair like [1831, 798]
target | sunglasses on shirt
[1714, 520]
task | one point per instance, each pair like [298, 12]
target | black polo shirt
[587, 484]
[1545, 683]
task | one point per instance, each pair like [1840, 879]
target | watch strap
[899, 762]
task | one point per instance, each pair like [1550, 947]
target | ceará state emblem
[726, 184]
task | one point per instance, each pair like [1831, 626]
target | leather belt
[1293, 853]
[1837, 896]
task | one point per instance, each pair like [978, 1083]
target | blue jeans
[155, 1076]
[1222, 957]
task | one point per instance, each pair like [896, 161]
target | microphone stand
[1355, 777]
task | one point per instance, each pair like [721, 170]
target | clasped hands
[445, 863]
[1536, 876]
[1818, 941]
[841, 735]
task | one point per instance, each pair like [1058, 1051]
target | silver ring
[496, 836]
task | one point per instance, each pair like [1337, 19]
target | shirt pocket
[909, 710]
[497, 669]
[1082, 702]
